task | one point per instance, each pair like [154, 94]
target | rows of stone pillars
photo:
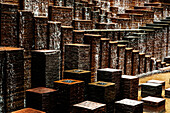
[132, 57]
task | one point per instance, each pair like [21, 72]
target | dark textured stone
[42, 98]
[70, 92]
[45, 67]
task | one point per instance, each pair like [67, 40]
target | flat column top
[54, 22]
[135, 51]
[106, 23]
[129, 102]
[62, 7]
[78, 71]
[77, 45]
[141, 54]
[90, 105]
[155, 81]
[78, 31]
[102, 84]
[129, 49]
[168, 89]
[68, 81]
[41, 90]
[44, 51]
[92, 35]
[121, 46]
[11, 4]
[82, 20]
[129, 77]
[41, 17]
[153, 99]
[113, 42]
[148, 56]
[113, 30]
[151, 84]
[28, 110]
[10, 49]
[109, 70]
[68, 27]
[104, 39]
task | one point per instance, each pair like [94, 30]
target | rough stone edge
[161, 70]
